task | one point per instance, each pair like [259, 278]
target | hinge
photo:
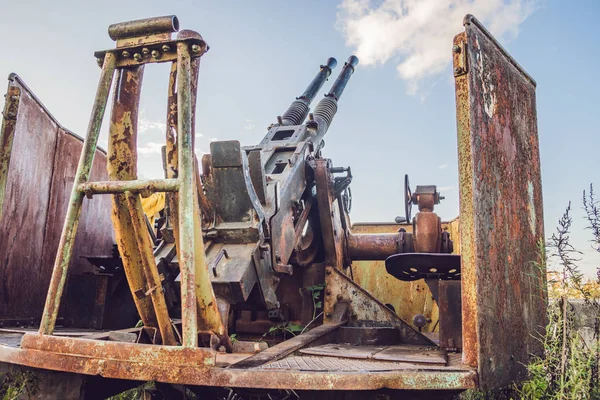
[12, 103]
[459, 57]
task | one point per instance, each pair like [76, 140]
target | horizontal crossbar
[137, 186]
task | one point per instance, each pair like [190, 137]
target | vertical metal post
[67, 239]
[187, 262]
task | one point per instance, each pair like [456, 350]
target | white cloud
[443, 166]
[417, 34]
[145, 125]
[150, 148]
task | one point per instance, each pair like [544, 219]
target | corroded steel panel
[41, 164]
[94, 234]
[23, 278]
[503, 291]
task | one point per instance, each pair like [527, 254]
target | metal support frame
[134, 244]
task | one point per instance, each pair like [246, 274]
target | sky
[397, 115]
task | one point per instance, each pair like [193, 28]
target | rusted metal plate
[95, 233]
[35, 200]
[449, 300]
[503, 291]
[365, 310]
[413, 354]
[24, 214]
[174, 366]
[289, 346]
[343, 351]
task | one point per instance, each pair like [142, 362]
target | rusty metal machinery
[254, 277]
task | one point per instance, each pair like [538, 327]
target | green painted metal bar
[67, 239]
[137, 186]
[187, 261]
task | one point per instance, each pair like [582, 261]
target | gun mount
[257, 245]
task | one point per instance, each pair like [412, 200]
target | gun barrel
[342, 80]
[327, 107]
[298, 110]
[317, 83]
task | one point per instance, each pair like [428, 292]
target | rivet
[328, 292]
[100, 61]
[137, 57]
[457, 70]
[166, 48]
[126, 54]
[155, 54]
[340, 297]
[456, 48]
[145, 51]
[195, 48]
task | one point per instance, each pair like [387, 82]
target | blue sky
[394, 118]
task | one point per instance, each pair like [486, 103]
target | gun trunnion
[251, 275]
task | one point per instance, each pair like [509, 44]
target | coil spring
[326, 109]
[296, 113]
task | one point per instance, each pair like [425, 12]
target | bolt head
[166, 48]
[155, 54]
[457, 70]
[99, 61]
[196, 48]
[456, 48]
[137, 57]
[145, 51]
[340, 297]
[126, 54]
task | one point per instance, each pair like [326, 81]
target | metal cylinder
[317, 83]
[342, 80]
[142, 27]
[327, 107]
[373, 246]
[298, 110]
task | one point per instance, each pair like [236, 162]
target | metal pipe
[142, 27]
[298, 110]
[327, 107]
[342, 80]
[373, 247]
[187, 260]
[67, 238]
[150, 269]
[317, 83]
[137, 186]
[122, 166]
